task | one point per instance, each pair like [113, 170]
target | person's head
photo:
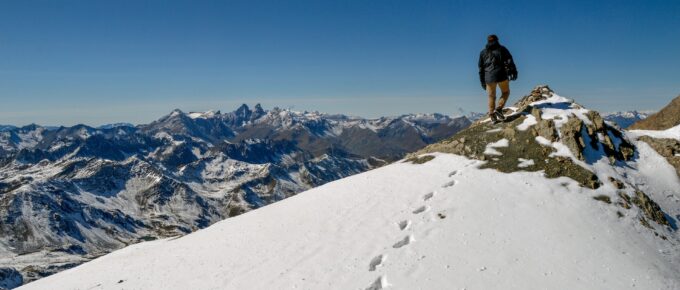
[492, 38]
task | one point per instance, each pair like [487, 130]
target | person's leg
[491, 91]
[505, 93]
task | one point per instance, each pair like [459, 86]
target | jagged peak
[243, 111]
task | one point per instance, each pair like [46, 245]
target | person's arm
[512, 69]
[481, 70]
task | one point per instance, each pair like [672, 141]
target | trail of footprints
[377, 261]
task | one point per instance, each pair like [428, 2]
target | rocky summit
[70, 194]
[552, 134]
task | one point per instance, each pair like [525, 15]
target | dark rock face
[70, 194]
[666, 118]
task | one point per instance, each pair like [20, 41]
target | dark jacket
[493, 61]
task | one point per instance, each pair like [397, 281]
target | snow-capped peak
[203, 115]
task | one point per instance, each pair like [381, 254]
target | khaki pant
[505, 94]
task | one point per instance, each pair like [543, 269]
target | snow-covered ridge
[438, 225]
[288, 118]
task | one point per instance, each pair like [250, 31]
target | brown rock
[571, 137]
[546, 129]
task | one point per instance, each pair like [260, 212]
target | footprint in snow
[449, 184]
[421, 209]
[403, 225]
[453, 173]
[380, 283]
[428, 196]
[376, 262]
[405, 241]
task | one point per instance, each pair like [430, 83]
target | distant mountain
[666, 118]
[70, 194]
[7, 127]
[625, 119]
[111, 126]
[472, 116]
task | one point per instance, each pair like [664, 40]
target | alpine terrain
[70, 194]
[555, 197]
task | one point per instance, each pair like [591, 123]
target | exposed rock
[546, 129]
[617, 183]
[650, 208]
[587, 136]
[419, 159]
[472, 142]
[625, 201]
[572, 137]
[603, 198]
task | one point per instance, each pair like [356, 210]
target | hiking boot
[499, 114]
[494, 119]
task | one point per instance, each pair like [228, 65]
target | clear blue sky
[96, 62]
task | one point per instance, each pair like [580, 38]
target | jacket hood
[492, 45]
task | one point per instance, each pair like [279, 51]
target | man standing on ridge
[496, 67]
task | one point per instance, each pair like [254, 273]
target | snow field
[444, 224]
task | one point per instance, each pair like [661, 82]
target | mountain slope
[463, 228]
[666, 118]
[664, 142]
[70, 194]
[499, 215]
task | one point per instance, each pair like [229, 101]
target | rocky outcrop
[548, 133]
[583, 136]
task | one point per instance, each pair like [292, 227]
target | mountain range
[626, 119]
[70, 194]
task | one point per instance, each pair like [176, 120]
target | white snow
[672, 133]
[202, 115]
[487, 230]
[558, 106]
[491, 147]
[523, 163]
[528, 122]
[560, 149]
